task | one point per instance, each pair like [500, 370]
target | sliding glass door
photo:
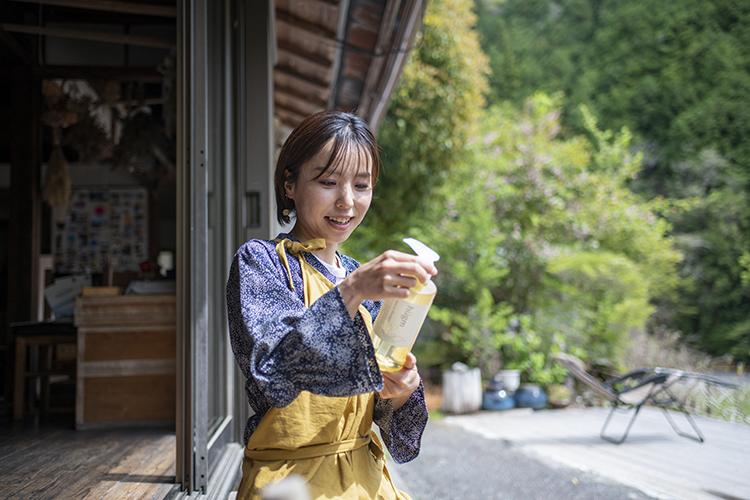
[225, 150]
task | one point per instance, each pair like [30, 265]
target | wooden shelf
[126, 360]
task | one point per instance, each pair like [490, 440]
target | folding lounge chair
[639, 387]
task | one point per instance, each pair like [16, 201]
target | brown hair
[346, 131]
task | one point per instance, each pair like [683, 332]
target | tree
[678, 75]
[544, 247]
[505, 76]
[429, 122]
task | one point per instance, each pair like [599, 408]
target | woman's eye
[363, 186]
[328, 183]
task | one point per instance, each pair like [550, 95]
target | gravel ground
[458, 465]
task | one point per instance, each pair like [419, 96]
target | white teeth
[340, 221]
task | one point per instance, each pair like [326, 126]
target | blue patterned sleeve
[281, 346]
[401, 430]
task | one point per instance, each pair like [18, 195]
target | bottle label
[399, 321]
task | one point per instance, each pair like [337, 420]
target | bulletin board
[101, 227]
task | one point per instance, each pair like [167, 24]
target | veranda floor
[49, 459]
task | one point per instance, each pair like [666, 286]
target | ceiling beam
[16, 48]
[112, 6]
[291, 71]
[338, 53]
[304, 25]
[289, 118]
[300, 64]
[394, 64]
[374, 72]
[306, 54]
[295, 92]
[300, 106]
[289, 79]
[145, 74]
[144, 41]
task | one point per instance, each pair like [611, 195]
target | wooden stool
[45, 336]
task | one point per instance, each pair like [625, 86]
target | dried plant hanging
[142, 151]
[72, 117]
[60, 112]
[88, 138]
[57, 184]
[59, 109]
[81, 112]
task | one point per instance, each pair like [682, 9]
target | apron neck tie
[297, 248]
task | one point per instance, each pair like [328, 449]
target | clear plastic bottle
[400, 320]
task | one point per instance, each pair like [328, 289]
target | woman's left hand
[399, 386]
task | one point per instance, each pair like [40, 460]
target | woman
[300, 319]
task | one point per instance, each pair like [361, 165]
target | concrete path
[456, 464]
[653, 459]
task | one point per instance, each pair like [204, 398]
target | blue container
[530, 396]
[497, 400]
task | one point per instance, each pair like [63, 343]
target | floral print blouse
[283, 348]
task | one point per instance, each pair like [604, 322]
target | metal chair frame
[642, 386]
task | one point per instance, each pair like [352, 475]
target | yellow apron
[327, 440]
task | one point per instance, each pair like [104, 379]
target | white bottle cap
[422, 250]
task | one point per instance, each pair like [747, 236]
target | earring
[285, 212]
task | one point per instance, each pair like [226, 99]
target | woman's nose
[345, 197]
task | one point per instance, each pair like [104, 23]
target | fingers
[402, 383]
[411, 362]
[399, 281]
[389, 275]
[406, 264]
[395, 390]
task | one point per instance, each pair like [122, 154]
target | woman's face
[331, 206]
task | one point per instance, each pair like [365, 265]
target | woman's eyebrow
[318, 171]
[337, 171]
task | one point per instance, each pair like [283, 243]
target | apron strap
[310, 275]
[296, 248]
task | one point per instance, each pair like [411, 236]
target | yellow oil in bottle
[398, 324]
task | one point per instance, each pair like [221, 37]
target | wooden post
[25, 202]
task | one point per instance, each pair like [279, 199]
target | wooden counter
[126, 360]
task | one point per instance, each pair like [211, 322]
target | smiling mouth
[340, 220]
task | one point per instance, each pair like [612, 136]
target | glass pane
[217, 217]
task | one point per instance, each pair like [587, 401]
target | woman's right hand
[389, 275]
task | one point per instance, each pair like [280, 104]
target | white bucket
[511, 379]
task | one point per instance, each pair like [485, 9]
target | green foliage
[678, 75]
[733, 406]
[480, 333]
[429, 123]
[505, 75]
[600, 297]
[543, 246]
[527, 351]
[559, 393]
[744, 262]
[675, 72]
[715, 304]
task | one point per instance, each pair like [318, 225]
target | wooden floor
[653, 458]
[52, 460]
